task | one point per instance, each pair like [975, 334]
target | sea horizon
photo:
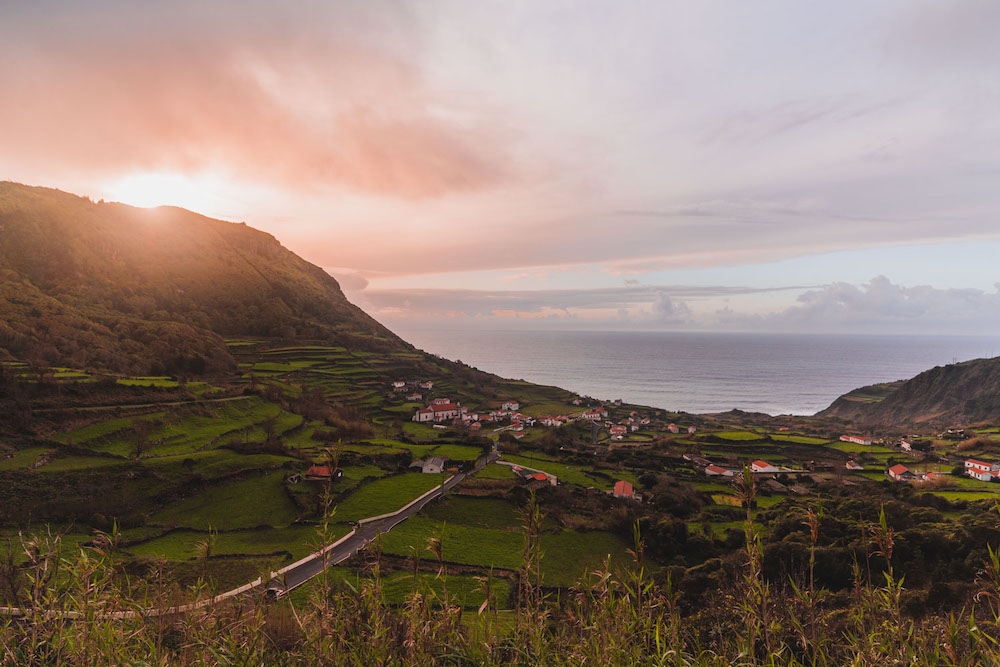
[703, 372]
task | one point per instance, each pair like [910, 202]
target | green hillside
[153, 291]
[957, 393]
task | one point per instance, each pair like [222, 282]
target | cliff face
[957, 393]
[111, 286]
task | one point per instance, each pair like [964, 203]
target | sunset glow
[455, 147]
[196, 193]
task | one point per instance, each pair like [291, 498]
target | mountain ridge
[121, 288]
[965, 392]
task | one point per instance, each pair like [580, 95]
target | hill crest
[107, 285]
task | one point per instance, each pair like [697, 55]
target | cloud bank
[879, 306]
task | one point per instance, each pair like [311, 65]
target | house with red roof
[673, 428]
[982, 474]
[760, 466]
[984, 465]
[853, 465]
[423, 415]
[713, 470]
[511, 405]
[901, 473]
[415, 397]
[624, 489]
[475, 426]
[319, 473]
[444, 411]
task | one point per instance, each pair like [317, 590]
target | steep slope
[154, 290]
[960, 393]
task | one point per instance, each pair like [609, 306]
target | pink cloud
[302, 111]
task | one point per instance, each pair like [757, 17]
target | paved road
[365, 534]
[311, 566]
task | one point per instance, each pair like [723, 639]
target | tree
[141, 429]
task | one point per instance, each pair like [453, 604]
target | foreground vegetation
[623, 616]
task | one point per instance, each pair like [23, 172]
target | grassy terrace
[258, 501]
[385, 495]
[487, 533]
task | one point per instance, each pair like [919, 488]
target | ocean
[703, 372]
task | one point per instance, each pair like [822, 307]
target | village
[507, 418]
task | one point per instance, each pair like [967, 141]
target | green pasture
[257, 501]
[385, 495]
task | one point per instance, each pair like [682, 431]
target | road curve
[299, 573]
[368, 531]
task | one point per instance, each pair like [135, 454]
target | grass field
[295, 540]
[385, 495]
[457, 452]
[258, 501]
[566, 474]
[496, 471]
[481, 512]
[854, 448]
[738, 435]
[23, 458]
[469, 545]
[970, 496]
[797, 439]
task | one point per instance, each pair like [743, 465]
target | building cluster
[982, 470]
[619, 430]
[901, 473]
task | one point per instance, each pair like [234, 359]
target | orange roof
[898, 469]
[762, 464]
[319, 471]
[623, 488]
[541, 476]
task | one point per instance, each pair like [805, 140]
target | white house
[856, 439]
[415, 397]
[982, 474]
[595, 415]
[444, 411]
[398, 385]
[762, 466]
[714, 471]
[691, 430]
[427, 385]
[673, 428]
[511, 405]
[853, 465]
[440, 401]
[423, 415]
[975, 463]
[433, 465]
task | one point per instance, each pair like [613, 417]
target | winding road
[301, 572]
[291, 577]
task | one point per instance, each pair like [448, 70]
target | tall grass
[613, 616]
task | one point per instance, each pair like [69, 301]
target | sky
[537, 164]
